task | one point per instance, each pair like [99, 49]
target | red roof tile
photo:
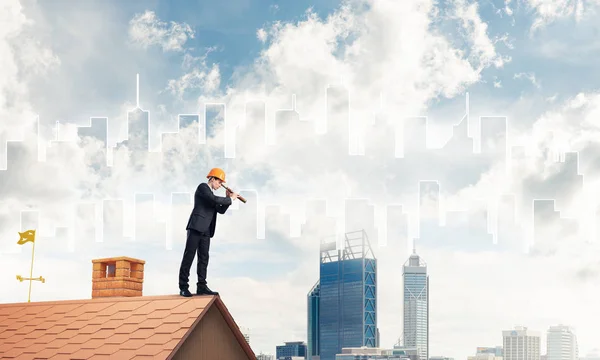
[102, 328]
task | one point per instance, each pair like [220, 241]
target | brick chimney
[118, 276]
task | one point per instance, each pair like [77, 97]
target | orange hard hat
[218, 173]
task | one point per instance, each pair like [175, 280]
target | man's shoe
[185, 293]
[205, 291]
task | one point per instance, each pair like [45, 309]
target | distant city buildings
[262, 356]
[497, 351]
[366, 353]
[561, 343]
[487, 353]
[485, 356]
[594, 355]
[291, 349]
[246, 333]
[521, 344]
[416, 306]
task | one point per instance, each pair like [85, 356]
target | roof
[141, 327]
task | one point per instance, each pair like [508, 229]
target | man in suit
[201, 228]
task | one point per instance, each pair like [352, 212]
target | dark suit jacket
[206, 205]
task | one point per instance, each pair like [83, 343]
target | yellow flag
[26, 236]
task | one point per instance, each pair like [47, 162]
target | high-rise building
[497, 351]
[416, 305]
[364, 353]
[347, 295]
[561, 343]
[521, 344]
[313, 323]
[487, 353]
[484, 356]
[262, 356]
[291, 349]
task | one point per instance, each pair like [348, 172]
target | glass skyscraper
[295, 348]
[416, 305]
[313, 322]
[347, 297]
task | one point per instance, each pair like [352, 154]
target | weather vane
[28, 236]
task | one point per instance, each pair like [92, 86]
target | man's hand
[231, 194]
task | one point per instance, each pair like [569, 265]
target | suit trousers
[200, 243]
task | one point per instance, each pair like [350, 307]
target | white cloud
[147, 30]
[199, 76]
[483, 49]
[261, 34]
[207, 80]
[21, 59]
[35, 58]
[549, 11]
[507, 8]
[570, 126]
[508, 42]
[529, 76]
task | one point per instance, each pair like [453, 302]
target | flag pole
[31, 272]
[26, 237]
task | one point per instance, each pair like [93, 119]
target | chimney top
[114, 259]
[117, 277]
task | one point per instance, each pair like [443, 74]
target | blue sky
[76, 60]
[230, 29]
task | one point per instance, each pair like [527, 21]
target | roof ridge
[104, 299]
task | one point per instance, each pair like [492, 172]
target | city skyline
[64, 232]
[546, 208]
